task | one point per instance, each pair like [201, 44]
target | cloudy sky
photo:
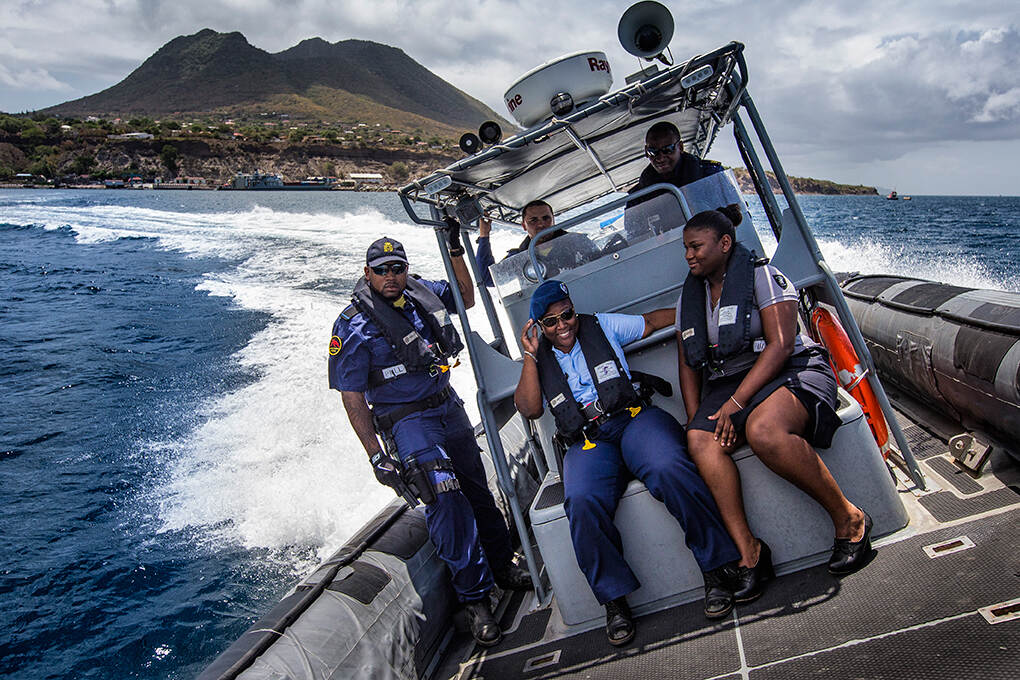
[921, 96]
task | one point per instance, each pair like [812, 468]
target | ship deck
[939, 599]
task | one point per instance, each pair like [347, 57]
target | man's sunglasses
[652, 151]
[397, 268]
[553, 319]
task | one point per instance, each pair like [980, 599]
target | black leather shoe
[484, 628]
[749, 582]
[718, 596]
[849, 556]
[619, 622]
[512, 577]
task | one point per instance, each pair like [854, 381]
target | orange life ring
[851, 374]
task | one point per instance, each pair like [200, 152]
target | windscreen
[604, 232]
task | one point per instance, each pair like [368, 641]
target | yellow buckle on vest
[443, 368]
[634, 410]
[587, 444]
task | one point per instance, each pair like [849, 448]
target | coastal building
[366, 177]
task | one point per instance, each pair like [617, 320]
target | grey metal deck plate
[946, 506]
[804, 622]
[963, 482]
[922, 444]
[962, 649]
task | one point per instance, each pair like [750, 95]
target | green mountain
[211, 73]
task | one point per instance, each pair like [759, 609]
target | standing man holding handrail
[390, 356]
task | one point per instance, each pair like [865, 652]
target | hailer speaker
[645, 29]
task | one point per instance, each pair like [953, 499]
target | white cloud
[31, 78]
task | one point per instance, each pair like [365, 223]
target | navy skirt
[808, 375]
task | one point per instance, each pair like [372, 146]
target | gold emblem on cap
[387, 247]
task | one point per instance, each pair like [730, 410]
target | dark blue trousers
[649, 446]
[465, 526]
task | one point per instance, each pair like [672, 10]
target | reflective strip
[391, 372]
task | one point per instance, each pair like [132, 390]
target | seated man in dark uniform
[668, 164]
[392, 349]
[536, 216]
[577, 367]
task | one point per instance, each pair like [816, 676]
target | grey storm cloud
[961, 86]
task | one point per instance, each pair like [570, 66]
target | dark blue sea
[171, 459]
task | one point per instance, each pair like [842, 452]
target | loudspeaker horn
[645, 29]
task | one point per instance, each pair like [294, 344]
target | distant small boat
[906, 198]
[892, 196]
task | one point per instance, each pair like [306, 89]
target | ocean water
[171, 459]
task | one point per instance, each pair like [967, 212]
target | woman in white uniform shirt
[746, 374]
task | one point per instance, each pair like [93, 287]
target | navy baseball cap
[547, 293]
[385, 250]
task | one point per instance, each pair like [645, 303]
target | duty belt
[386, 421]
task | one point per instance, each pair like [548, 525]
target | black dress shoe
[512, 577]
[849, 556]
[749, 582]
[619, 622]
[484, 627]
[718, 596]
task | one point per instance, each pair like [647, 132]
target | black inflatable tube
[353, 549]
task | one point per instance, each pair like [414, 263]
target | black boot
[484, 628]
[512, 577]
[749, 582]
[619, 622]
[718, 596]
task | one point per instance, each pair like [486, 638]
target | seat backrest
[793, 257]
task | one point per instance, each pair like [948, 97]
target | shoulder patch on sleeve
[335, 344]
[780, 280]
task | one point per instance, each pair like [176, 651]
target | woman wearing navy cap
[575, 365]
[745, 372]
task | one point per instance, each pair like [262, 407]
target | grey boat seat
[795, 527]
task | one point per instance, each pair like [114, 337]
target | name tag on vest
[557, 400]
[606, 371]
[727, 315]
[394, 371]
[410, 337]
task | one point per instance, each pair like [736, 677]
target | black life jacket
[415, 353]
[615, 390]
[735, 350]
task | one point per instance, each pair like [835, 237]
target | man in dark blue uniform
[536, 216]
[390, 356]
[575, 365]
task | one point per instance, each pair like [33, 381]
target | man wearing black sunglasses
[392, 348]
[575, 365]
[668, 163]
[667, 160]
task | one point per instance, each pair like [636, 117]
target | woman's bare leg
[720, 474]
[775, 432]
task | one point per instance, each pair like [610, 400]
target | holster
[415, 480]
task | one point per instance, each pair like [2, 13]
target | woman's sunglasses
[553, 319]
[652, 151]
[397, 268]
